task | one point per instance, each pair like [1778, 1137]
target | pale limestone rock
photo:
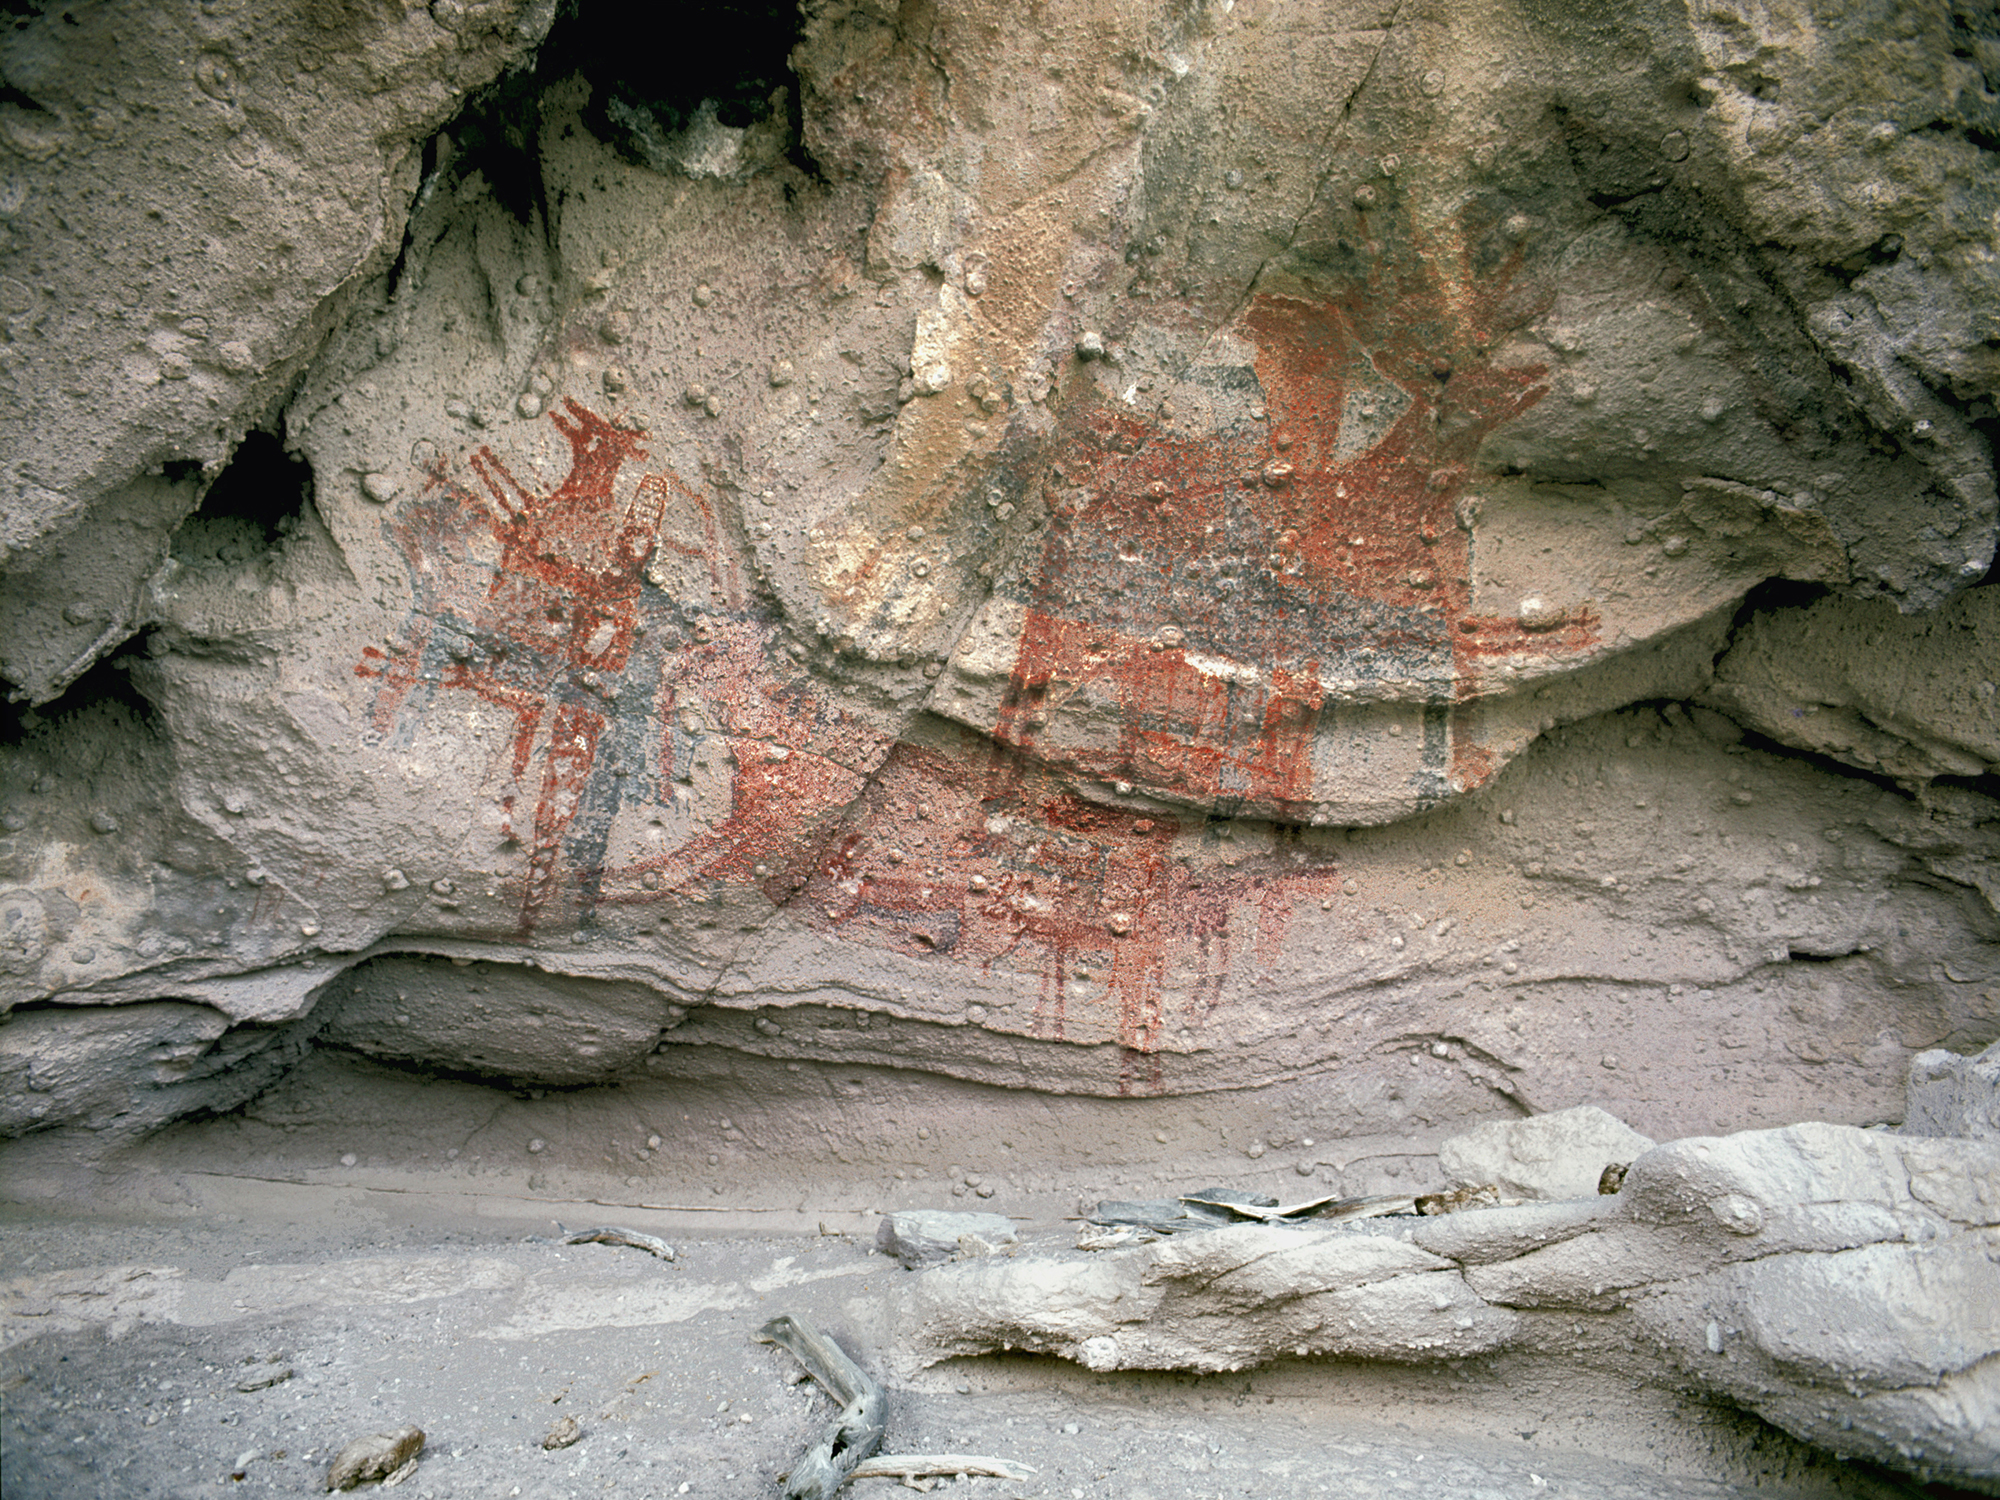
[1217, 1299]
[1558, 1155]
[1844, 1283]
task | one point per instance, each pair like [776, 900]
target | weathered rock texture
[192, 197]
[1952, 1095]
[1116, 550]
[1440, 555]
[1558, 1155]
[1150, 548]
[1840, 1282]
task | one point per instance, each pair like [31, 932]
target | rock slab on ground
[1558, 1155]
[1842, 1283]
[931, 1236]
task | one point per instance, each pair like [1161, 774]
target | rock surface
[1842, 1283]
[1559, 1155]
[178, 241]
[1954, 1096]
[379, 1455]
[638, 1351]
[1385, 574]
[1249, 558]
[930, 1236]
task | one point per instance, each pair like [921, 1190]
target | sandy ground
[148, 1342]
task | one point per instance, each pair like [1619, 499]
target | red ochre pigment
[1279, 550]
[1130, 927]
[1348, 559]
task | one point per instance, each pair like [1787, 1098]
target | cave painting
[531, 602]
[1128, 919]
[1216, 611]
[549, 607]
[1207, 591]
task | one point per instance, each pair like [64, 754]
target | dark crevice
[1985, 140]
[11, 95]
[1752, 740]
[104, 687]
[1987, 785]
[1611, 201]
[1897, 1482]
[427, 174]
[734, 54]
[254, 504]
[728, 57]
[430, 1071]
[1884, 252]
[1778, 596]
[498, 136]
[1986, 422]
[1774, 596]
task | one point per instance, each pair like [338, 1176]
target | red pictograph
[1195, 591]
[1130, 928]
[546, 605]
[531, 601]
[1201, 590]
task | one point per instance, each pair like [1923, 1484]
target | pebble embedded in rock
[1536, 613]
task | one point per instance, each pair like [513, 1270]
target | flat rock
[1222, 1300]
[1558, 1155]
[930, 1236]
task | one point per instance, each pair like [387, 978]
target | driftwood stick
[611, 1234]
[927, 1465]
[864, 1410]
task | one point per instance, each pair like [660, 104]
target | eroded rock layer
[1130, 550]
